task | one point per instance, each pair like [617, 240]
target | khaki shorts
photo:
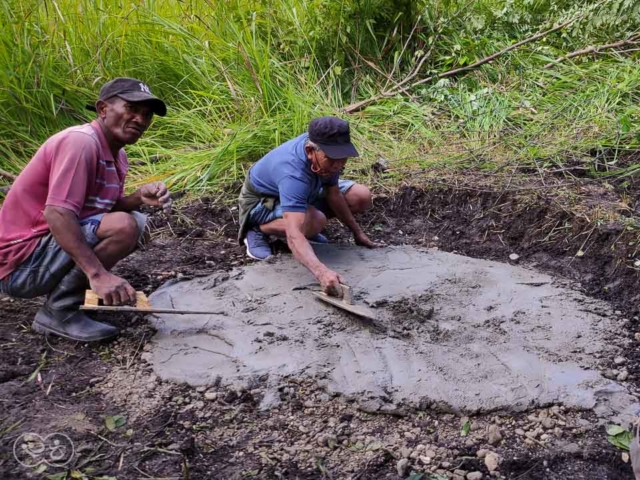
[49, 263]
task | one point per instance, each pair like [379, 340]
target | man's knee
[359, 198]
[314, 222]
[121, 227]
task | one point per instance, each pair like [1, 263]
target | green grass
[242, 76]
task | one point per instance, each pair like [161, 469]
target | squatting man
[66, 220]
[292, 190]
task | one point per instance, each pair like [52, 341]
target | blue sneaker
[319, 238]
[257, 244]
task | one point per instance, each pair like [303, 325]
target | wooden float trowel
[93, 302]
[346, 303]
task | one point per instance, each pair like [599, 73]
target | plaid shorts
[261, 215]
[49, 263]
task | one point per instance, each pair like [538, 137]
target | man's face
[125, 121]
[326, 166]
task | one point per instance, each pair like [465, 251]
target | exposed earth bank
[579, 231]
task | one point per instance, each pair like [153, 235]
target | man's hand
[113, 290]
[156, 194]
[330, 282]
[364, 241]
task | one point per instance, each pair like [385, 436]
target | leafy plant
[619, 437]
[465, 429]
[114, 422]
[242, 77]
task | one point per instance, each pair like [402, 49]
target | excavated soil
[579, 232]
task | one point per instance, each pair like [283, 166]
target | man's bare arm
[302, 251]
[339, 206]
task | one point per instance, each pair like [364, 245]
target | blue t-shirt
[285, 172]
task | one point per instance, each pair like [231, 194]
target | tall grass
[242, 76]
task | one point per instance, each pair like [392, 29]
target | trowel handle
[346, 294]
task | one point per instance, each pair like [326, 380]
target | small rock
[414, 455]
[608, 373]
[492, 461]
[429, 453]
[557, 432]
[321, 440]
[470, 443]
[201, 389]
[622, 376]
[520, 432]
[482, 453]
[619, 360]
[625, 457]
[474, 476]
[514, 257]
[211, 395]
[548, 423]
[462, 473]
[424, 459]
[402, 467]
[545, 436]
[570, 448]
[494, 435]
[637, 336]
[445, 465]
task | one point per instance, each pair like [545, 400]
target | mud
[459, 334]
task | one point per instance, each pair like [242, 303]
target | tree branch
[356, 107]
[595, 49]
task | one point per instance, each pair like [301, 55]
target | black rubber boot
[61, 316]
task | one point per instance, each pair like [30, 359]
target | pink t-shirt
[73, 169]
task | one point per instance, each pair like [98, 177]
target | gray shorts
[49, 263]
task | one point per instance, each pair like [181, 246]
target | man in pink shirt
[66, 220]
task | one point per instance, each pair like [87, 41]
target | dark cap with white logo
[131, 90]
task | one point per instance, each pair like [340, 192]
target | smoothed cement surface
[473, 335]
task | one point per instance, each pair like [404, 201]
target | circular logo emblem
[55, 450]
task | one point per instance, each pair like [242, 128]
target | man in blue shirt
[292, 190]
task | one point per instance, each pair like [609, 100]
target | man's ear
[101, 108]
[309, 150]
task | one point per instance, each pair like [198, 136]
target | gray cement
[470, 335]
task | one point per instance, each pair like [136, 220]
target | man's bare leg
[314, 223]
[118, 233]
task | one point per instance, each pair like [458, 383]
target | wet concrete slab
[469, 335]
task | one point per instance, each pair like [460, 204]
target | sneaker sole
[48, 331]
[246, 243]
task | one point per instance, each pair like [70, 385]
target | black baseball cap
[131, 90]
[333, 137]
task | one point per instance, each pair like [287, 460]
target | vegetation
[241, 76]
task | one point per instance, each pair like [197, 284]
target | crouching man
[66, 221]
[292, 191]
